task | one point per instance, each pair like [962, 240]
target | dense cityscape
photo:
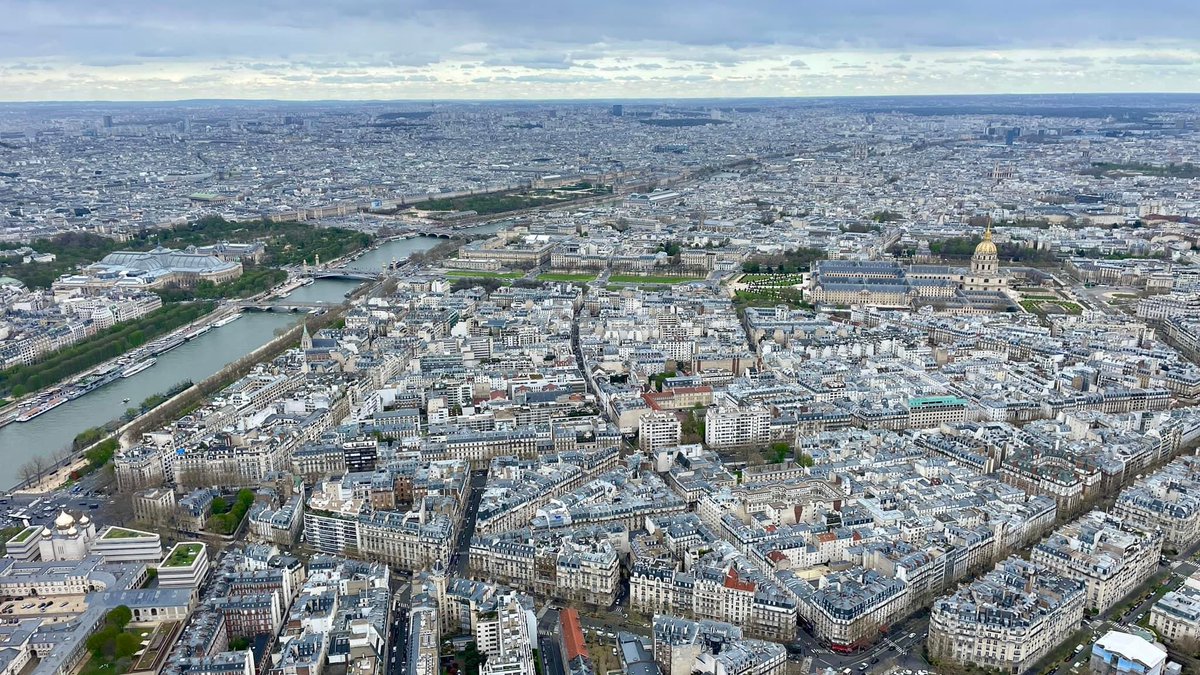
[730, 387]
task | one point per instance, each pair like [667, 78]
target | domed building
[985, 267]
[977, 289]
[70, 539]
[983, 275]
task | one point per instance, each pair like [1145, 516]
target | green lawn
[566, 276]
[183, 555]
[1035, 306]
[122, 533]
[650, 279]
[473, 274]
[24, 535]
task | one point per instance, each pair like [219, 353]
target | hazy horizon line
[602, 99]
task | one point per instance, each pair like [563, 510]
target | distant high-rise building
[108, 121]
[618, 110]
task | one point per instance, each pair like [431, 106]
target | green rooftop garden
[122, 533]
[183, 555]
[24, 535]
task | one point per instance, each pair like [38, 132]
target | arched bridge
[356, 275]
[283, 305]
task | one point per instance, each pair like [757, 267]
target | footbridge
[335, 273]
[283, 305]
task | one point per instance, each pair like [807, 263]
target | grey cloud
[551, 79]
[247, 28]
[539, 63]
[357, 79]
[111, 62]
[164, 53]
[1075, 60]
[1156, 60]
[28, 66]
[555, 40]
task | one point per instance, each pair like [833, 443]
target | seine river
[194, 360]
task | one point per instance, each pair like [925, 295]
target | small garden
[1049, 305]
[114, 644]
[769, 290]
[226, 517]
[771, 279]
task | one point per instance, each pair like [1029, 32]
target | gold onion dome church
[69, 540]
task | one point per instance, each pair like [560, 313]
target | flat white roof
[1132, 647]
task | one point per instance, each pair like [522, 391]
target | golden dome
[986, 247]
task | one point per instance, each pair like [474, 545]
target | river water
[195, 360]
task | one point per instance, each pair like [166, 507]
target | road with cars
[398, 640]
[548, 650]
[899, 649]
[460, 557]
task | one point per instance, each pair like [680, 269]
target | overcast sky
[490, 49]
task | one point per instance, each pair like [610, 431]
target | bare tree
[63, 455]
[122, 507]
[40, 465]
[28, 472]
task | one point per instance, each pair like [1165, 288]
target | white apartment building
[507, 637]
[331, 520]
[728, 426]
[659, 430]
